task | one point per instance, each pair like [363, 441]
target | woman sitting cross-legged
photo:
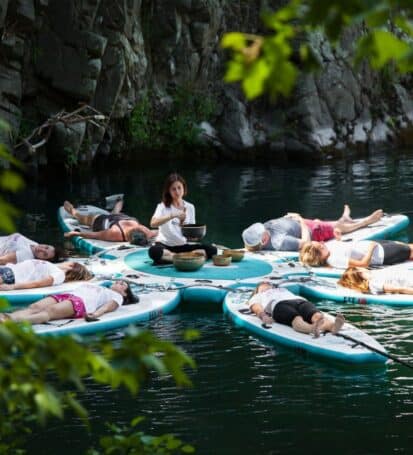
[35, 273]
[280, 305]
[88, 299]
[169, 215]
[378, 281]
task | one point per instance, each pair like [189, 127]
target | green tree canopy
[271, 63]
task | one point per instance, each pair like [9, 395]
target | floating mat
[247, 268]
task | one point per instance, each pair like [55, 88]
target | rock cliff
[106, 54]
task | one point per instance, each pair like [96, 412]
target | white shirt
[35, 269]
[94, 296]
[19, 244]
[342, 252]
[271, 297]
[170, 233]
[396, 278]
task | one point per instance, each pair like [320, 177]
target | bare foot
[376, 216]
[338, 323]
[69, 208]
[316, 327]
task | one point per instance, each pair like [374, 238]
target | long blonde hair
[78, 272]
[353, 278]
[310, 255]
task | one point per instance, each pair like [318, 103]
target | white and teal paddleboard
[388, 227]
[327, 288]
[328, 346]
[152, 304]
[90, 246]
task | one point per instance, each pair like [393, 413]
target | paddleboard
[152, 304]
[327, 346]
[325, 288]
[90, 246]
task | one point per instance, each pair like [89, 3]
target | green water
[250, 396]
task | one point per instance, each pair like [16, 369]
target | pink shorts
[77, 303]
[320, 230]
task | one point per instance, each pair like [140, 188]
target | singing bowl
[221, 260]
[188, 262]
[194, 232]
[237, 255]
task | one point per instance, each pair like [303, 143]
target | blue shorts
[6, 275]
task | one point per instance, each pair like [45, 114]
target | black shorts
[285, 312]
[102, 222]
[394, 252]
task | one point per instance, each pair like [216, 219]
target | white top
[35, 269]
[342, 252]
[271, 297]
[94, 296]
[397, 278]
[17, 243]
[170, 233]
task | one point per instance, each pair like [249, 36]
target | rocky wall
[57, 54]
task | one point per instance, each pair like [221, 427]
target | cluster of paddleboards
[161, 288]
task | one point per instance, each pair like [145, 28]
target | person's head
[174, 188]
[48, 252]
[75, 271]
[314, 253]
[262, 287]
[124, 289]
[137, 237]
[355, 278]
[255, 237]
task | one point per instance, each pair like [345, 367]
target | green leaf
[254, 83]
[235, 71]
[234, 40]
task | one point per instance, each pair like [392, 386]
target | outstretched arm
[366, 259]
[8, 258]
[106, 235]
[259, 311]
[106, 308]
[389, 289]
[28, 285]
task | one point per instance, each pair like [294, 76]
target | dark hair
[130, 297]
[137, 237]
[59, 254]
[172, 178]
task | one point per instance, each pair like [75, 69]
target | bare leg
[350, 226]
[167, 256]
[87, 220]
[118, 206]
[41, 305]
[300, 325]
[52, 311]
[330, 324]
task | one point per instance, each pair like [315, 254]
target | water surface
[250, 396]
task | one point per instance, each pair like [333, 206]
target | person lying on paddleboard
[113, 227]
[16, 248]
[169, 215]
[280, 305]
[362, 253]
[378, 281]
[88, 300]
[290, 232]
[35, 273]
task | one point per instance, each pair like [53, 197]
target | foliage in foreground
[40, 377]
[271, 63]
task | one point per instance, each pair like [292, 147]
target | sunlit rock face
[56, 54]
